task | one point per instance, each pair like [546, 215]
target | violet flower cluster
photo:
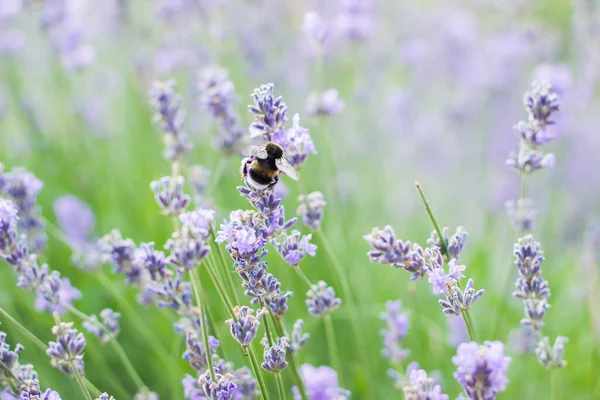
[481, 369]
[311, 209]
[324, 104]
[395, 331]
[218, 98]
[420, 386]
[321, 383]
[107, 329]
[68, 349]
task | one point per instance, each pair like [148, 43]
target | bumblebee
[260, 169]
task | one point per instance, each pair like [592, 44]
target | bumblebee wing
[256, 151]
[287, 168]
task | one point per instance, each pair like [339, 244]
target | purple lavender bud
[387, 249]
[217, 97]
[271, 209]
[245, 326]
[173, 292]
[30, 390]
[481, 369]
[54, 294]
[530, 285]
[296, 142]
[110, 320]
[527, 160]
[454, 243]
[552, 357]
[299, 338]
[277, 301]
[190, 245]
[311, 209]
[321, 383]
[222, 389]
[521, 213]
[247, 386]
[522, 340]
[457, 300]
[121, 254]
[151, 260]
[355, 21]
[422, 387]
[532, 135]
[541, 102]
[168, 192]
[315, 28]
[324, 104]
[395, 331]
[75, 218]
[321, 299]
[457, 330]
[195, 353]
[8, 227]
[68, 348]
[275, 355]
[169, 117]
[293, 247]
[9, 357]
[270, 113]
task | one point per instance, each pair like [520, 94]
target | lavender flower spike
[168, 193]
[195, 353]
[299, 338]
[454, 243]
[222, 389]
[275, 355]
[311, 209]
[190, 245]
[551, 357]
[67, 349]
[75, 219]
[293, 247]
[394, 332]
[244, 327]
[270, 113]
[169, 117]
[321, 383]
[541, 103]
[422, 387]
[315, 28]
[324, 104]
[321, 299]
[481, 369]
[30, 390]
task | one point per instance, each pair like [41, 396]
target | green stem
[469, 325]
[433, 221]
[13, 382]
[228, 277]
[280, 387]
[213, 276]
[303, 276]
[84, 389]
[113, 341]
[24, 330]
[331, 345]
[554, 395]
[197, 289]
[266, 321]
[291, 357]
[257, 373]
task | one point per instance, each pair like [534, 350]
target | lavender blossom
[298, 338]
[457, 330]
[321, 383]
[169, 117]
[217, 97]
[296, 142]
[293, 247]
[458, 301]
[315, 28]
[522, 340]
[121, 254]
[190, 245]
[244, 327]
[437, 277]
[321, 299]
[395, 331]
[76, 219]
[354, 22]
[173, 292]
[551, 357]
[530, 285]
[275, 355]
[481, 369]
[10, 359]
[454, 243]
[105, 396]
[67, 349]
[30, 390]
[311, 209]
[151, 260]
[387, 249]
[168, 192]
[110, 321]
[521, 213]
[8, 227]
[55, 294]
[195, 352]
[247, 386]
[324, 104]
[527, 160]
[422, 387]
[270, 113]
[541, 103]
[222, 389]
[267, 204]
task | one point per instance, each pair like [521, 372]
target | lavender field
[308, 200]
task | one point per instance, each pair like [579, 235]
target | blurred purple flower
[393, 334]
[551, 357]
[315, 28]
[293, 247]
[457, 330]
[522, 339]
[557, 75]
[311, 209]
[75, 218]
[324, 104]
[55, 293]
[321, 299]
[321, 383]
[354, 22]
[481, 369]
[422, 387]
[192, 389]
[298, 338]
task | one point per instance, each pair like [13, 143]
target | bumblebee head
[274, 150]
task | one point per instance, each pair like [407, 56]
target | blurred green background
[375, 169]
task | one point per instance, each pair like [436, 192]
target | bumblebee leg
[275, 180]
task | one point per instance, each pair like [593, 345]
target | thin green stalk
[266, 321]
[211, 272]
[331, 344]
[24, 330]
[280, 387]
[303, 276]
[13, 382]
[117, 346]
[257, 373]
[433, 221]
[291, 357]
[554, 395]
[197, 289]
[226, 271]
[78, 378]
[468, 325]
[347, 293]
